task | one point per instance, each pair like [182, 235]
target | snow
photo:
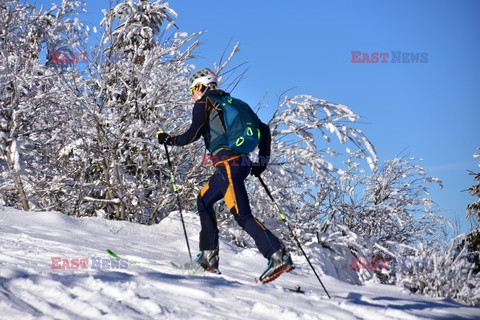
[152, 289]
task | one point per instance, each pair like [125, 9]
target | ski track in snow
[152, 289]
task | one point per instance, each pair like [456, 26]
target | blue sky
[428, 110]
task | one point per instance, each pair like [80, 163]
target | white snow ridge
[37, 248]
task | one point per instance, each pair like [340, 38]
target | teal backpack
[238, 128]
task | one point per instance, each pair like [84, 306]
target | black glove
[257, 169]
[164, 138]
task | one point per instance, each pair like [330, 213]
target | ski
[196, 271]
[297, 289]
[116, 256]
[191, 269]
[113, 254]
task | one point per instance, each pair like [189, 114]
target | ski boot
[208, 259]
[278, 263]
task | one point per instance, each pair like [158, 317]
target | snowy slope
[152, 289]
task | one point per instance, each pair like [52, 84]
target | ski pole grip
[166, 150]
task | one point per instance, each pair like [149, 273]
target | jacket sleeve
[264, 144]
[199, 118]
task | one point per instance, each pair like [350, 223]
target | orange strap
[227, 160]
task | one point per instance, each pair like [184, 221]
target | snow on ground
[31, 243]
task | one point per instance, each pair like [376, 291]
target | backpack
[238, 128]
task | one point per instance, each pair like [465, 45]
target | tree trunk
[17, 177]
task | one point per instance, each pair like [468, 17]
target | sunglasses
[197, 87]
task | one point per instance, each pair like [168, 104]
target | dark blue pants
[228, 183]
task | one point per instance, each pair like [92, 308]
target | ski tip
[255, 280]
[213, 271]
[112, 254]
[297, 289]
[116, 256]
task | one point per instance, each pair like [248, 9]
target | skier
[232, 168]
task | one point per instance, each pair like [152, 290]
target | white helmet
[203, 76]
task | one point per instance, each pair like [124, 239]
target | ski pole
[175, 189]
[284, 219]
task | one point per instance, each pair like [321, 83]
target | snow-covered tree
[396, 204]
[136, 86]
[306, 171]
[473, 209]
[473, 214]
[31, 96]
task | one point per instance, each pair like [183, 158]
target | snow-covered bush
[338, 251]
[448, 272]
[394, 204]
